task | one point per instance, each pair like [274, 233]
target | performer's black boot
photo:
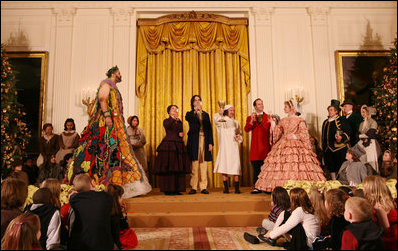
[237, 187]
[226, 190]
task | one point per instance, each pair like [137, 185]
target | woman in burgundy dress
[172, 161]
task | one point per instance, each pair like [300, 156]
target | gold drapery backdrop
[178, 59]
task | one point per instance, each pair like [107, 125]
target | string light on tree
[385, 93]
[14, 132]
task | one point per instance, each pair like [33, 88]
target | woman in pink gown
[291, 156]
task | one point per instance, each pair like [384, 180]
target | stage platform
[198, 210]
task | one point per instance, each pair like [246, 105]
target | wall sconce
[88, 97]
[297, 94]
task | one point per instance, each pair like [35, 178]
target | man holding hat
[335, 138]
[354, 119]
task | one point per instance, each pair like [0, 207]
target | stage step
[214, 210]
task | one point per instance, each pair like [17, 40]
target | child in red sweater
[362, 233]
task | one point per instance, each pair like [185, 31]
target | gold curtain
[177, 60]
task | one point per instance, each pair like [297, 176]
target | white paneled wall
[291, 44]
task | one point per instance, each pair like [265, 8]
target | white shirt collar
[333, 118]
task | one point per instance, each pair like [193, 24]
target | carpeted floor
[198, 238]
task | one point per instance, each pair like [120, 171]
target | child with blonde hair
[362, 233]
[23, 233]
[318, 202]
[379, 196]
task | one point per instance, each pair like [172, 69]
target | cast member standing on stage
[291, 156]
[48, 144]
[172, 161]
[354, 119]
[229, 137]
[259, 124]
[335, 138]
[367, 138]
[68, 140]
[104, 151]
[138, 141]
[199, 144]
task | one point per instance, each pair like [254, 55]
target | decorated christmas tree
[385, 100]
[14, 133]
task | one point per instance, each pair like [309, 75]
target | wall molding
[65, 16]
[263, 16]
[197, 4]
[319, 15]
[121, 16]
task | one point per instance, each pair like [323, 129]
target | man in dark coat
[199, 144]
[353, 118]
[335, 138]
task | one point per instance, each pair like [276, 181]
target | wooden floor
[199, 210]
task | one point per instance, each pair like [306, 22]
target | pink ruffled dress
[289, 159]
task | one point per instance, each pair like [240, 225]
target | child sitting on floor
[125, 237]
[280, 202]
[23, 233]
[385, 208]
[302, 225]
[362, 233]
[50, 219]
[334, 203]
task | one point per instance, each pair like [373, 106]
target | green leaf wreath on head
[112, 70]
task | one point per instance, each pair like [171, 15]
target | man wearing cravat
[353, 118]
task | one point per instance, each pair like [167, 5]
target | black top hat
[347, 102]
[335, 103]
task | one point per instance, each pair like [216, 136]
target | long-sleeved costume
[228, 158]
[200, 136]
[289, 159]
[334, 152]
[260, 143]
[172, 161]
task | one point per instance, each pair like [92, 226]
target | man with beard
[104, 151]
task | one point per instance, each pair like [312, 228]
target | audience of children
[31, 169]
[65, 163]
[23, 233]
[385, 208]
[318, 202]
[13, 196]
[17, 172]
[334, 203]
[50, 220]
[125, 238]
[55, 188]
[90, 217]
[280, 201]
[388, 167]
[362, 233]
[50, 169]
[302, 225]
